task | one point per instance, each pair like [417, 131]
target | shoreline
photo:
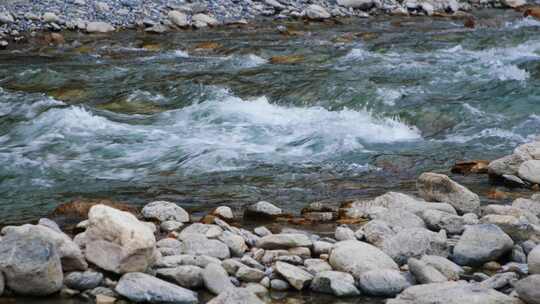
[403, 248]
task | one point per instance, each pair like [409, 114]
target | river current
[205, 118]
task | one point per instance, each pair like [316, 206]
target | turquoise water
[365, 106]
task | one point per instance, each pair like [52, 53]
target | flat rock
[480, 244]
[140, 287]
[296, 276]
[359, 4]
[284, 241]
[451, 293]
[340, 284]
[248, 274]
[236, 296]
[117, 241]
[198, 244]
[527, 289]
[203, 20]
[440, 188]
[382, 283]
[31, 265]
[165, 211]
[187, 276]
[357, 257]
[83, 280]
[530, 205]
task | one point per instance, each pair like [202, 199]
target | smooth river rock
[382, 283]
[528, 289]
[117, 241]
[83, 280]
[424, 273]
[199, 244]
[236, 296]
[533, 260]
[216, 279]
[480, 244]
[440, 188]
[284, 241]
[452, 293]
[139, 287]
[357, 257]
[165, 211]
[99, 27]
[187, 276]
[297, 277]
[31, 265]
[414, 243]
[530, 171]
[338, 283]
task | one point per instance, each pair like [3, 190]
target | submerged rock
[440, 188]
[31, 265]
[117, 241]
[140, 287]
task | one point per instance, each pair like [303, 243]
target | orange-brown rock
[473, 166]
[287, 59]
[80, 207]
[209, 45]
[533, 12]
[469, 23]
[497, 194]
[54, 38]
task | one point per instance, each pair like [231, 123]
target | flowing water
[363, 107]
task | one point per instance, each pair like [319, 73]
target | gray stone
[279, 285]
[296, 276]
[6, 18]
[357, 257]
[359, 4]
[340, 284]
[224, 212]
[533, 260]
[317, 12]
[198, 244]
[262, 209]
[262, 231]
[169, 226]
[232, 265]
[165, 211]
[500, 280]
[216, 279]
[50, 17]
[398, 218]
[284, 241]
[437, 220]
[202, 20]
[2, 284]
[518, 228]
[210, 231]
[451, 293]
[376, 231]
[321, 247]
[49, 224]
[315, 266]
[424, 273]
[99, 27]
[185, 259]
[382, 283]
[344, 233]
[530, 171]
[178, 18]
[248, 274]
[83, 280]
[527, 289]
[236, 243]
[236, 296]
[532, 206]
[440, 188]
[414, 243]
[140, 287]
[480, 244]
[187, 276]
[31, 265]
[448, 268]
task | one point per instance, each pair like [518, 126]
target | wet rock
[357, 257]
[530, 171]
[438, 220]
[297, 277]
[203, 20]
[471, 167]
[480, 244]
[3, 44]
[187, 276]
[414, 243]
[533, 260]
[83, 280]
[99, 27]
[448, 268]
[440, 188]
[451, 293]
[199, 244]
[424, 273]
[140, 287]
[215, 279]
[236, 296]
[340, 284]
[262, 209]
[117, 241]
[286, 59]
[31, 265]
[317, 12]
[284, 241]
[382, 283]
[165, 211]
[527, 289]
[70, 254]
[178, 18]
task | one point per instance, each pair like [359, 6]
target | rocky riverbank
[19, 18]
[441, 247]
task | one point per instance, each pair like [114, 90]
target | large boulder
[440, 188]
[284, 241]
[165, 211]
[382, 283]
[140, 287]
[530, 171]
[117, 241]
[533, 260]
[519, 228]
[236, 296]
[527, 289]
[480, 244]
[296, 276]
[30, 265]
[340, 284]
[452, 293]
[357, 257]
[414, 243]
[70, 254]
